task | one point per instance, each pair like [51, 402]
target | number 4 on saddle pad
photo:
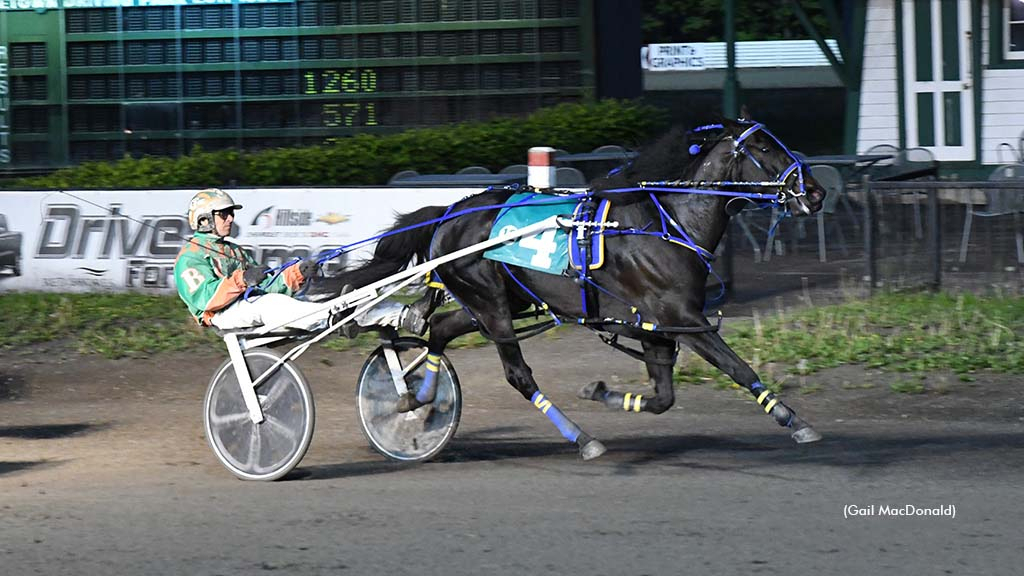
[549, 250]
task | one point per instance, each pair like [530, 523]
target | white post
[541, 172]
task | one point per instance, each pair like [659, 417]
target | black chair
[515, 169]
[999, 203]
[398, 176]
[1014, 155]
[474, 170]
[569, 177]
[881, 165]
[610, 149]
[835, 189]
[905, 165]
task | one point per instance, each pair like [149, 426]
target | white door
[938, 89]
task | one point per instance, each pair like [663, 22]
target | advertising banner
[672, 57]
[83, 241]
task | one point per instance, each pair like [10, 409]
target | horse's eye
[764, 149]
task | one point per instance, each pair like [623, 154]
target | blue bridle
[740, 149]
[797, 166]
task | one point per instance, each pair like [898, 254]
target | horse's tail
[394, 251]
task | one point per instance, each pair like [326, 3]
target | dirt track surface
[104, 470]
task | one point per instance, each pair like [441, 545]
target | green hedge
[369, 160]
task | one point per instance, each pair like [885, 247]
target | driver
[212, 273]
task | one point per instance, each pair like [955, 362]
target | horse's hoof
[592, 450]
[805, 435]
[408, 403]
[593, 391]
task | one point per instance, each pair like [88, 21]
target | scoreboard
[98, 79]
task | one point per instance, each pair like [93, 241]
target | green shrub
[367, 159]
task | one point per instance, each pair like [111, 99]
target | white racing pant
[276, 310]
[272, 310]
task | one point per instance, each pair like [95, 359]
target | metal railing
[885, 235]
[939, 233]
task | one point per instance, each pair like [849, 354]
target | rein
[670, 231]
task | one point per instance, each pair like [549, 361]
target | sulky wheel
[270, 449]
[413, 436]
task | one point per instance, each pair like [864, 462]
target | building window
[1013, 43]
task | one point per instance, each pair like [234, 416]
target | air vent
[429, 44]
[329, 49]
[193, 52]
[308, 12]
[407, 11]
[388, 11]
[510, 42]
[369, 13]
[511, 9]
[155, 52]
[289, 49]
[250, 16]
[489, 10]
[193, 17]
[134, 20]
[136, 53]
[97, 54]
[76, 55]
[271, 49]
[449, 44]
[271, 16]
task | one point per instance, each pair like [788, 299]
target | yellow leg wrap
[542, 403]
[760, 399]
[433, 362]
[768, 407]
[625, 401]
[636, 403]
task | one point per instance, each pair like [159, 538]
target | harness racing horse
[651, 286]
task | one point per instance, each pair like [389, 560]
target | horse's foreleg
[443, 329]
[660, 357]
[711, 347]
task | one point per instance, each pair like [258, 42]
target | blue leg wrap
[570, 431]
[429, 386]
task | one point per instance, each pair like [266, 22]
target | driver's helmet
[202, 206]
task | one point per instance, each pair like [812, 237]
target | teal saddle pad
[547, 251]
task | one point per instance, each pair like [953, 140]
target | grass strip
[900, 332]
[921, 332]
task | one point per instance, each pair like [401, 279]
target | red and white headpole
[541, 172]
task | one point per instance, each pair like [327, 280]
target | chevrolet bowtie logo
[332, 218]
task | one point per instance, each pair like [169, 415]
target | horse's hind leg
[660, 357]
[498, 322]
[444, 328]
[519, 375]
[711, 347]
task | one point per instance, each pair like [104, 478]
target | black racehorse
[651, 286]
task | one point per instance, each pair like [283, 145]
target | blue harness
[585, 241]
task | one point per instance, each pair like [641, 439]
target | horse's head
[748, 152]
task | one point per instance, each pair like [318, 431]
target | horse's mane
[667, 158]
